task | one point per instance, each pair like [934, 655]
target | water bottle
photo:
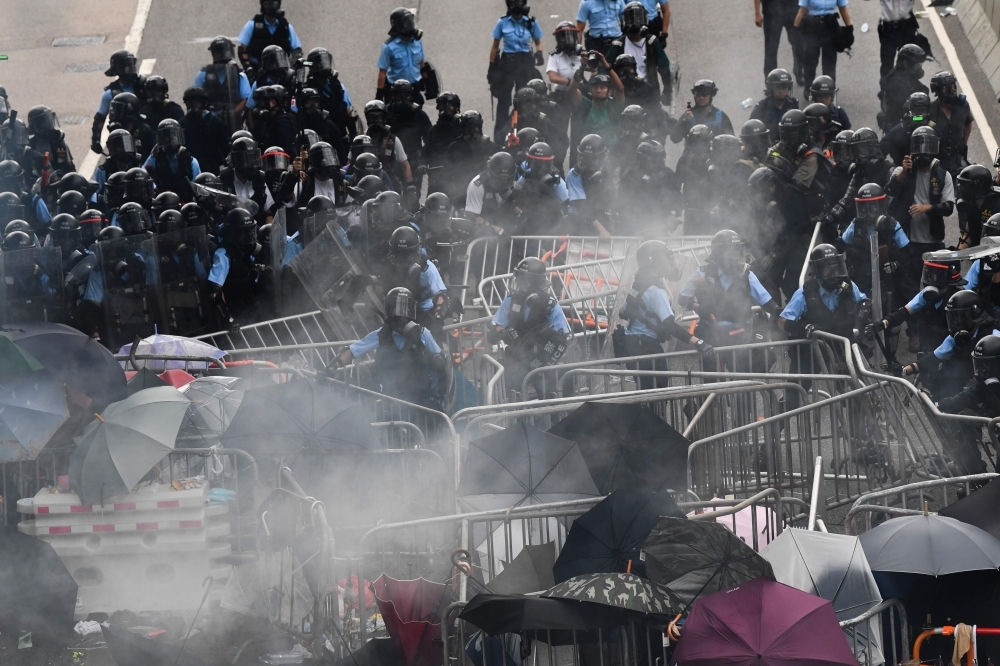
[283, 658]
[747, 103]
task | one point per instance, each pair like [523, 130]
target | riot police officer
[647, 189]
[824, 91]
[868, 165]
[756, 139]
[246, 178]
[983, 276]
[158, 104]
[325, 80]
[896, 142]
[122, 156]
[14, 146]
[467, 154]
[47, 139]
[323, 176]
[488, 198]
[703, 113]
[652, 66]
[541, 194]
[164, 201]
[445, 131]
[312, 116]
[978, 201]
[633, 132]
[872, 219]
[274, 70]
[273, 123]
[269, 27]
[692, 177]
[777, 100]
[36, 213]
[532, 326]
[170, 163]
[387, 146]
[409, 267]
[409, 122]
[728, 174]
[228, 89]
[204, 132]
[236, 271]
[799, 162]
[592, 195]
[125, 115]
[402, 55]
[512, 66]
[123, 66]
[901, 82]
[952, 117]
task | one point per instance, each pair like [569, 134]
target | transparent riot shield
[184, 263]
[339, 283]
[31, 289]
[210, 197]
[277, 251]
[130, 299]
[222, 84]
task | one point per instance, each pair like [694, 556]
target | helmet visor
[402, 304]
[985, 366]
[793, 135]
[133, 220]
[15, 134]
[404, 257]
[139, 191]
[275, 160]
[247, 159]
[321, 62]
[122, 143]
[67, 239]
[43, 122]
[10, 212]
[871, 209]
[924, 143]
[528, 283]
[939, 275]
[830, 270]
[842, 153]
[864, 150]
[729, 257]
[247, 234]
[171, 136]
[274, 59]
[323, 156]
[959, 320]
[590, 161]
[387, 213]
[567, 37]
[120, 111]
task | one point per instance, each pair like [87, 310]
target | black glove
[890, 267]
[846, 38]
[539, 59]
[493, 74]
[808, 330]
[380, 94]
[993, 261]
[704, 348]
[877, 327]
[97, 147]
[509, 336]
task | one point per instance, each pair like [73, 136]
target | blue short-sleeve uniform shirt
[517, 35]
[401, 59]
[557, 320]
[601, 16]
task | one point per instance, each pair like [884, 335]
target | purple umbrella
[762, 623]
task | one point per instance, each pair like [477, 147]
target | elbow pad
[943, 209]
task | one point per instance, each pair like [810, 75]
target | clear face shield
[831, 272]
[529, 283]
[170, 138]
[871, 209]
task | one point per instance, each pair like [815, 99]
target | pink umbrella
[742, 525]
[411, 610]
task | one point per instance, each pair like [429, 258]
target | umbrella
[74, 358]
[762, 623]
[172, 345]
[980, 508]
[621, 590]
[121, 446]
[32, 409]
[626, 446]
[743, 525]
[176, 378]
[522, 466]
[142, 379]
[14, 360]
[36, 590]
[832, 566]
[608, 537]
[694, 558]
[284, 419]
[213, 405]
[507, 613]
[931, 545]
[411, 610]
[530, 571]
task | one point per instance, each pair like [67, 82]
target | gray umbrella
[931, 545]
[118, 448]
[214, 402]
[832, 566]
[32, 409]
[530, 571]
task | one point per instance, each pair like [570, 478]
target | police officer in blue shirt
[36, 213]
[170, 163]
[236, 269]
[658, 17]
[822, 34]
[602, 17]
[871, 219]
[123, 66]
[409, 267]
[531, 324]
[512, 66]
[402, 55]
[409, 364]
[270, 27]
[226, 98]
[540, 192]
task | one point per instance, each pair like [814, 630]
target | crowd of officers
[175, 228]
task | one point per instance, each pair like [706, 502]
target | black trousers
[516, 70]
[643, 345]
[778, 16]
[817, 41]
[892, 36]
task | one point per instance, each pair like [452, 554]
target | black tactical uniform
[900, 83]
[981, 397]
[953, 125]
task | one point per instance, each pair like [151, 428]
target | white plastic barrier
[148, 550]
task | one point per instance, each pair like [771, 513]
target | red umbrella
[763, 623]
[411, 610]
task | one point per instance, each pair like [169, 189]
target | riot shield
[988, 246]
[222, 84]
[130, 289]
[184, 263]
[210, 196]
[32, 285]
[279, 245]
[339, 283]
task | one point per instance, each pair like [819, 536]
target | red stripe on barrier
[79, 509]
[190, 523]
[104, 528]
[125, 507]
[59, 530]
[168, 504]
[43, 509]
[146, 526]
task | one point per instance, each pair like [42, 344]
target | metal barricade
[567, 281]
[895, 645]
[302, 337]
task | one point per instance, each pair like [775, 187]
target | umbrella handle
[132, 353]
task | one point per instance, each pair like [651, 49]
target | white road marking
[963, 81]
[146, 66]
[132, 42]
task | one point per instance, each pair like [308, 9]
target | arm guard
[669, 328]
[898, 317]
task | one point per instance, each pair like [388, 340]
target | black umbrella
[36, 591]
[980, 508]
[376, 652]
[508, 613]
[522, 465]
[530, 571]
[694, 558]
[608, 537]
[74, 358]
[627, 446]
[299, 416]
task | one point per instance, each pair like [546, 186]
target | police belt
[885, 26]
[820, 23]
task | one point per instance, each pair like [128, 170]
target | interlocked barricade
[895, 647]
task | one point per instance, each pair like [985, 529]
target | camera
[593, 61]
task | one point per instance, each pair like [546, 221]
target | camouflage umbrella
[621, 590]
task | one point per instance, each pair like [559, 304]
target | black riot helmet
[918, 107]
[362, 143]
[244, 154]
[500, 172]
[974, 181]
[651, 155]
[864, 144]
[698, 139]
[110, 233]
[320, 62]
[375, 113]
[122, 65]
[240, 229]
[625, 66]
[437, 210]
[925, 142]
[72, 202]
[208, 179]
[823, 86]
[275, 159]
[841, 147]
[529, 276]
[541, 159]
[519, 7]
[114, 189]
[222, 49]
[944, 86]
[777, 78]
[941, 274]
[41, 119]
[370, 187]
[655, 257]
[991, 227]
[756, 137]
[239, 134]
[193, 214]
[11, 177]
[525, 138]
[633, 119]
[169, 135]
[138, 186]
[388, 209]
[273, 59]
[793, 128]
[705, 87]
[567, 37]
[871, 203]
[264, 234]
[964, 312]
[728, 251]
[448, 105]
[323, 161]
[725, 150]
[133, 219]
[986, 358]
[590, 154]
[400, 305]
[18, 225]
[165, 201]
[820, 119]
[124, 108]
[74, 181]
[404, 247]
[169, 221]
[91, 223]
[400, 94]
[271, 8]
[11, 208]
[17, 240]
[829, 267]
[539, 87]
[156, 88]
[402, 23]
[121, 145]
[634, 20]
[472, 124]
[526, 101]
[13, 135]
[366, 164]
[320, 204]
[910, 55]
